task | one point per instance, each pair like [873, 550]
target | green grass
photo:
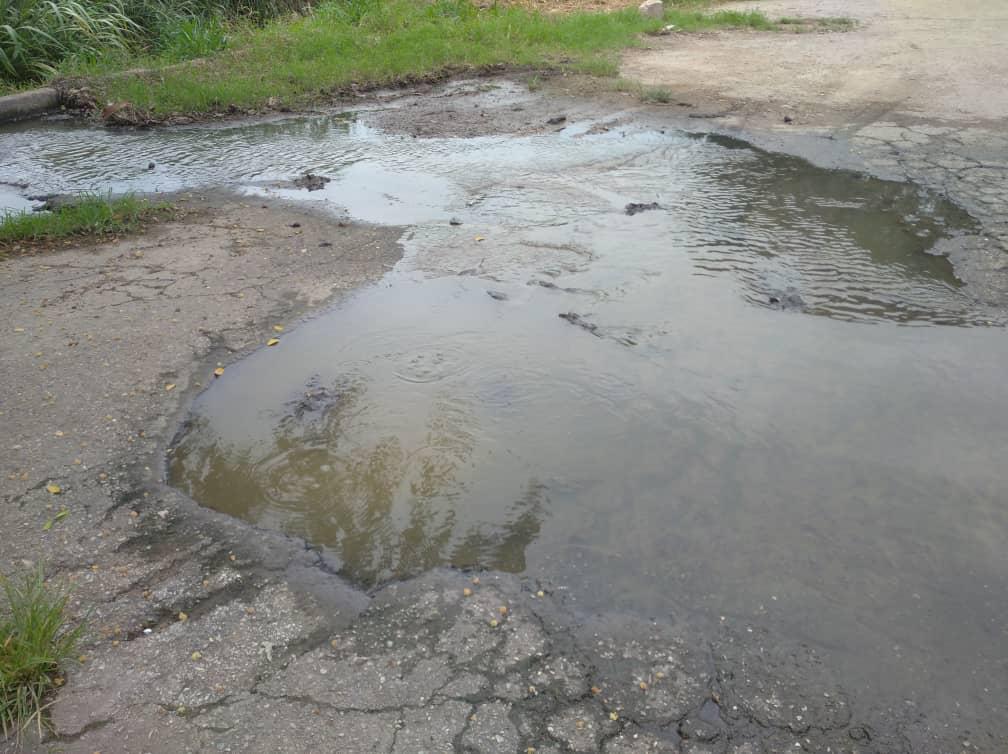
[367, 43]
[88, 215]
[35, 640]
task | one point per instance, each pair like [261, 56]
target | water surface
[768, 401]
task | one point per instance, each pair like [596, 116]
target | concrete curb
[28, 104]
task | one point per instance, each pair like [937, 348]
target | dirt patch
[904, 56]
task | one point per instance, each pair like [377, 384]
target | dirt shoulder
[906, 58]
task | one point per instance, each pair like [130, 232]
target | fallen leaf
[183, 617]
[197, 655]
[493, 623]
[502, 610]
[596, 690]
[643, 686]
[53, 488]
[47, 525]
[62, 514]
[467, 592]
[277, 328]
[613, 716]
[58, 434]
[272, 341]
[540, 593]
[480, 238]
[218, 371]
[170, 386]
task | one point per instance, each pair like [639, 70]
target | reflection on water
[386, 510]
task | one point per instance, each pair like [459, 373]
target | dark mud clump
[634, 208]
[312, 182]
[577, 319]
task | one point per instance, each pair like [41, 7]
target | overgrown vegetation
[36, 638]
[87, 215]
[38, 37]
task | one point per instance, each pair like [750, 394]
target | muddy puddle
[758, 397]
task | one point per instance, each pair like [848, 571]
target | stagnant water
[764, 401]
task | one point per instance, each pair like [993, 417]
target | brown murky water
[766, 401]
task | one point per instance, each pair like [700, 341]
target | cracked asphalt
[208, 634]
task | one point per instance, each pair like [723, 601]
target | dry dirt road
[906, 58]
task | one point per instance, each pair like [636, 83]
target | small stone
[652, 8]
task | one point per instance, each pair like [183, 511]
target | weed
[37, 35]
[87, 215]
[657, 94]
[35, 640]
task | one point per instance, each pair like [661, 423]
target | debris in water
[454, 221]
[497, 295]
[635, 207]
[312, 182]
[577, 319]
[557, 120]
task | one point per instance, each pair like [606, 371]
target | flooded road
[763, 402]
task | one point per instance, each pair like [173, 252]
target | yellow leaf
[272, 341]
[170, 386]
[218, 371]
[53, 488]
[480, 238]
[183, 617]
[197, 655]
[613, 716]
[493, 623]
[277, 328]
[467, 592]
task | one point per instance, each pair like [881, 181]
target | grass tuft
[35, 640]
[87, 215]
[656, 94]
